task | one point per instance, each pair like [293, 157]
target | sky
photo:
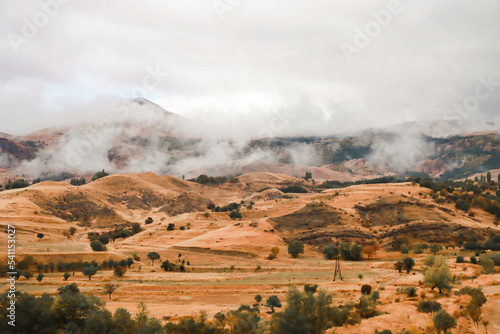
[315, 67]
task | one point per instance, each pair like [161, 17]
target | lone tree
[66, 276]
[273, 302]
[89, 270]
[153, 256]
[40, 277]
[428, 306]
[40, 236]
[438, 274]
[119, 271]
[110, 288]
[443, 321]
[295, 248]
[408, 264]
[99, 175]
[97, 246]
[258, 299]
[72, 230]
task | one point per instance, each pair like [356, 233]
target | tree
[398, 266]
[488, 177]
[130, 261]
[153, 256]
[428, 306]
[97, 246]
[149, 220]
[104, 239]
[89, 270]
[236, 214]
[443, 321]
[40, 235]
[438, 274]
[487, 264]
[109, 288]
[295, 248]
[462, 205]
[330, 252]
[272, 302]
[408, 264]
[66, 276]
[40, 277]
[275, 251]
[99, 175]
[27, 274]
[310, 288]
[258, 299]
[435, 248]
[119, 271]
[366, 289]
[404, 249]
[72, 230]
[370, 250]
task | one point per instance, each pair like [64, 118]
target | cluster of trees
[19, 183]
[492, 243]
[124, 231]
[348, 251]
[77, 181]
[482, 193]
[73, 312]
[294, 189]
[213, 180]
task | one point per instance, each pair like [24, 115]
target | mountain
[141, 136]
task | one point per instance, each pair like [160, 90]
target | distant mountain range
[154, 141]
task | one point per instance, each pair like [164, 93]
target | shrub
[97, 246]
[408, 264]
[443, 321]
[99, 175]
[148, 221]
[235, 215]
[366, 289]
[171, 227]
[460, 259]
[119, 271]
[295, 248]
[428, 306]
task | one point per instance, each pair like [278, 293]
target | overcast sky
[320, 63]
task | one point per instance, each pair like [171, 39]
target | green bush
[97, 246]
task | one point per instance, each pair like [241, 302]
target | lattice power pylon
[338, 271]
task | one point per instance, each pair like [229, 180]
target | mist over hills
[140, 136]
